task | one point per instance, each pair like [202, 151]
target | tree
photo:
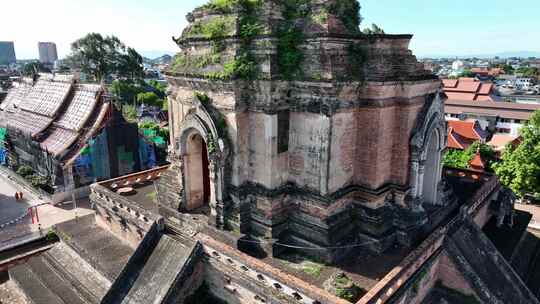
[520, 166]
[35, 67]
[375, 29]
[467, 73]
[130, 65]
[461, 158]
[126, 90]
[528, 72]
[508, 69]
[149, 98]
[101, 56]
[159, 88]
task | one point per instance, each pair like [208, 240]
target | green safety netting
[124, 156]
[3, 133]
[151, 135]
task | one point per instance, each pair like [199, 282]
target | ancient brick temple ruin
[305, 168]
[342, 147]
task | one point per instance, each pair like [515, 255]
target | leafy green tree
[35, 67]
[159, 88]
[126, 91]
[461, 158]
[129, 112]
[508, 69]
[149, 98]
[375, 29]
[520, 166]
[467, 73]
[528, 72]
[457, 159]
[101, 56]
[130, 65]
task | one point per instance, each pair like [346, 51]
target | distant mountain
[155, 54]
[165, 59]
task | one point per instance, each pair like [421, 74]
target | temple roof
[56, 113]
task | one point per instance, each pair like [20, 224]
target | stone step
[55, 281]
[89, 283]
[101, 249]
[33, 288]
[160, 272]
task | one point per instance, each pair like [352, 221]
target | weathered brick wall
[415, 291]
[451, 277]
[308, 146]
[344, 149]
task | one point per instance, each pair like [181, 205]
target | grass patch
[304, 264]
[152, 195]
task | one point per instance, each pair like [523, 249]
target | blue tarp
[147, 154]
[3, 156]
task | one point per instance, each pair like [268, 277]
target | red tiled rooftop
[460, 96]
[450, 83]
[485, 88]
[483, 98]
[468, 89]
[477, 163]
[467, 129]
[454, 141]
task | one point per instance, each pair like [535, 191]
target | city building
[47, 52]
[7, 53]
[314, 183]
[469, 89]
[67, 132]
[496, 117]
[487, 72]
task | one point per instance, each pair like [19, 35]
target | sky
[440, 27]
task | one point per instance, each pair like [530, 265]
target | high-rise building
[47, 52]
[7, 52]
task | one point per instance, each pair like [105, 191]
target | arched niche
[203, 156]
[427, 147]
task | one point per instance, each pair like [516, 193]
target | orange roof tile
[460, 96]
[499, 141]
[450, 83]
[468, 86]
[467, 129]
[477, 163]
[484, 98]
[453, 141]
[485, 88]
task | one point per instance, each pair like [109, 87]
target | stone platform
[79, 269]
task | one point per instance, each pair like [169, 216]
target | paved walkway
[48, 215]
[11, 209]
[535, 211]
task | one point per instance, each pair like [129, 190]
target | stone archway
[431, 169]
[202, 156]
[197, 173]
[427, 145]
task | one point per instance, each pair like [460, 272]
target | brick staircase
[78, 270]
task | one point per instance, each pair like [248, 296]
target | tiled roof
[450, 83]
[460, 96]
[477, 163]
[468, 89]
[57, 114]
[467, 129]
[508, 110]
[455, 141]
[499, 141]
[485, 88]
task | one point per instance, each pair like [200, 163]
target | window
[283, 131]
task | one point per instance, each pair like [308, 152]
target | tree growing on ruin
[100, 56]
[520, 166]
